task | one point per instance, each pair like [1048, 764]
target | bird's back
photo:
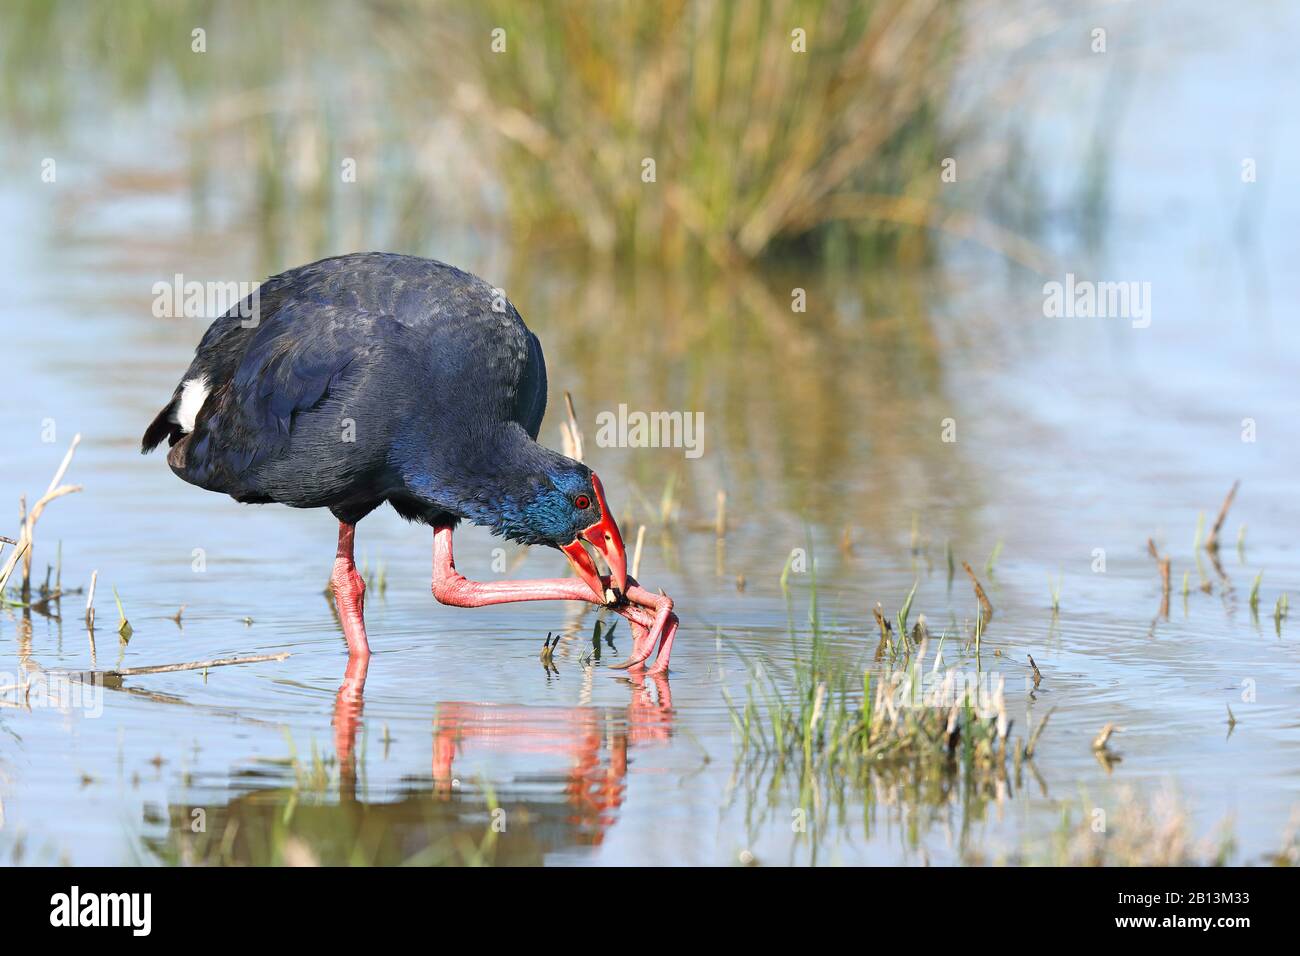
[345, 369]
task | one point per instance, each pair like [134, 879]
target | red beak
[605, 538]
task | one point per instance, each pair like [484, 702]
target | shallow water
[1072, 435]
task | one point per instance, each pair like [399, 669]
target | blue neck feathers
[508, 483]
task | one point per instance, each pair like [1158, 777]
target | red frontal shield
[604, 536]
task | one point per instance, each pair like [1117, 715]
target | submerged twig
[198, 665]
[191, 665]
[119, 672]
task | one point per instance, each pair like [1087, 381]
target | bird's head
[567, 509]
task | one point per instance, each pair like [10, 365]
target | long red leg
[350, 594]
[452, 588]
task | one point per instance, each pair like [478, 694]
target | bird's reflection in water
[577, 759]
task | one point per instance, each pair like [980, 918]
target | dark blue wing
[530, 403]
[412, 350]
[296, 358]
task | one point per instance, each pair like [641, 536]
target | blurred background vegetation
[768, 123]
[778, 129]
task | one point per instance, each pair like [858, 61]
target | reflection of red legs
[350, 594]
[593, 740]
[596, 785]
[446, 739]
[453, 588]
[596, 790]
[648, 718]
[349, 702]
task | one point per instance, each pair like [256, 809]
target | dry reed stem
[1103, 737]
[636, 553]
[884, 626]
[983, 598]
[55, 490]
[90, 600]
[1212, 542]
[1164, 565]
[571, 432]
[1037, 732]
[14, 555]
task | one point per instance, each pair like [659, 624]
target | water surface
[1073, 435]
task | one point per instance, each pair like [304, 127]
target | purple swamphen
[374, 378]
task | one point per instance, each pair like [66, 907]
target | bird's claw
[629, 663]
[653, 625]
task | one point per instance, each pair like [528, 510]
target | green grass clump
[896, 712]
[765, 124]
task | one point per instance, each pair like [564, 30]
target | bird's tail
[163, 426]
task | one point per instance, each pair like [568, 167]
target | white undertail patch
[193, 394]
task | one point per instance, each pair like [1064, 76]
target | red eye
[582, 502]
